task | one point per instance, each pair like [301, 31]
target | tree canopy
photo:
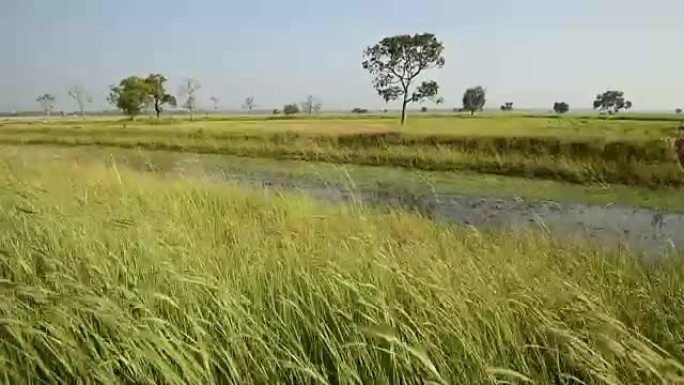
[395, 62]
[291, 109]
[508, 106]
[611, 102]
[561, 107]
[474, 99]
[157, 92]
[131, 95]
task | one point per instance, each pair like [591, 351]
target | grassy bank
[356, 177]
[577, 151]
[123, 278]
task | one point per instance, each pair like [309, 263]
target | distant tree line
[396, 63]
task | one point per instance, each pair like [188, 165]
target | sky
[530, 52]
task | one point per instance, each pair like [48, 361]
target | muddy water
[644, 231]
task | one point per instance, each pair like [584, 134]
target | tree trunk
[472, 112]
[403, 110]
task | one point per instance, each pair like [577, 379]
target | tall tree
[156, 90]
[561, 107]
[188, 94]
[474, 99]
[397, 61]
[311, 105]
[131, 96]
[508, 106]
[215, 101]
[249, 104]
[81, 97]
[611, 102]
[47, 103]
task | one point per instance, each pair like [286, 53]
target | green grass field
[357, 177]
[114, 277]
[579, 150]
[565, 127]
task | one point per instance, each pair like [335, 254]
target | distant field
[116, 277]
[617, 128]
[573, 149]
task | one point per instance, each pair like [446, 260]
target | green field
[579, 150]
[121, 277]
[351, 177]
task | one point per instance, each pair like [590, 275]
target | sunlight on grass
[118, 277]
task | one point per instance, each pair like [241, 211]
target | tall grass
[648, 164]
[576, 150]
[114, 277]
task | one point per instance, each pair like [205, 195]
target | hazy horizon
[531, 53]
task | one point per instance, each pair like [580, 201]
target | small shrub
[291, 109]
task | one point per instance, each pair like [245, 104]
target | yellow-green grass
[576, 150]
[565, 127]
[108, 276]
[357, 177]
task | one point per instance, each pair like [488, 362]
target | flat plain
[113, 271]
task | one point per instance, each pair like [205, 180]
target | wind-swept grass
[112, 277]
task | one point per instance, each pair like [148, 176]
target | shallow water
[646, 231]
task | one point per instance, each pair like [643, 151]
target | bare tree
[47, 103]
[81, 97]
[215, 101]
[311, 105]
[188, 94]
[249, 104]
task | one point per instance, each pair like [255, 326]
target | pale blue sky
[531, 52]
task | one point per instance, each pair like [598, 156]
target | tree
[291, 109]
[678, 111]
[276, 111]
[47, 103]
[249, 104]
[188, 93]
[508, 106]
[397, 61]
[561, 107]
[311, 105]
[156, 90]
[81, 96]
[611, 102]
[423, 109]
[131, 96]
[358, 110]
[474, 99]
[215, 101]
